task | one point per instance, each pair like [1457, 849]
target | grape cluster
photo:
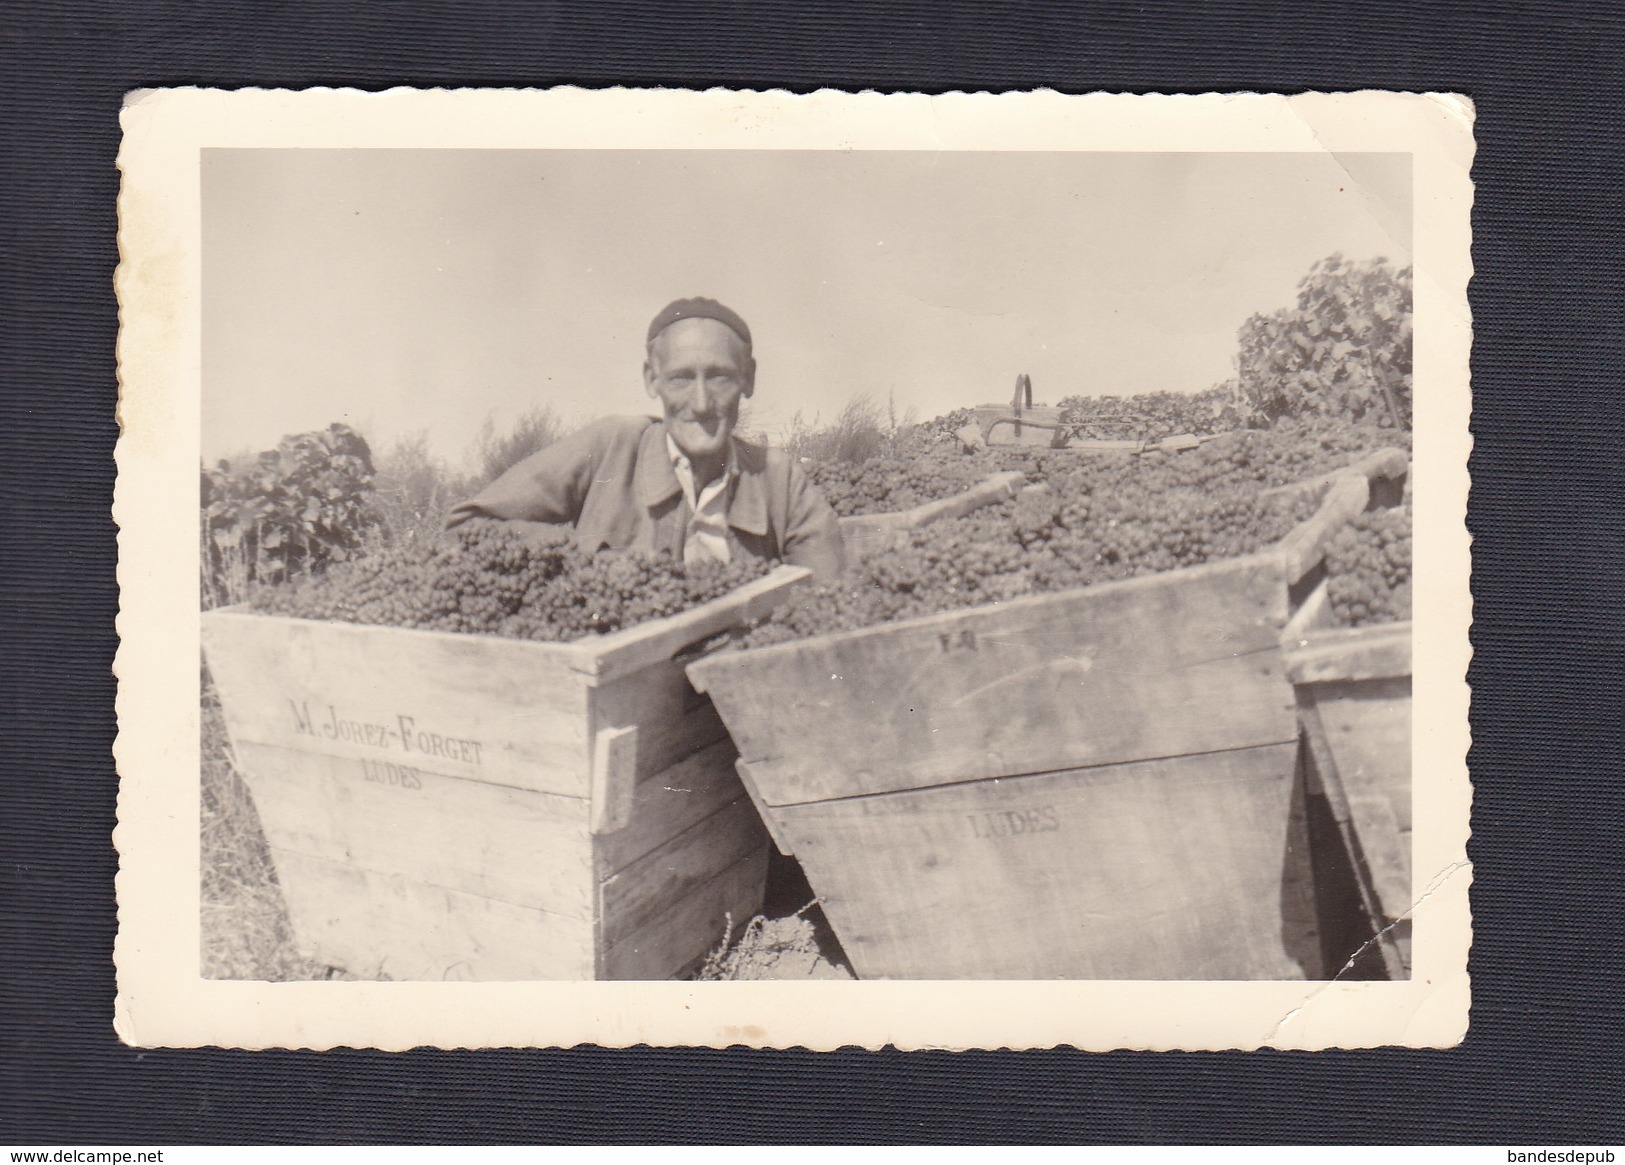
[884, 485]
[1368, 568]
[947, 426]
[1153, 415]
[1102, 519]
[489, 578]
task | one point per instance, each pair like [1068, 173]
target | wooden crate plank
[994, 488]
[528, 848]
[675, 942]
[1301, 935]
[780, 842]
[1165, 665]
[608, 656]
[658, 881]
[614, 777]
[378, 925]
[1386, 847]
[1348, 492]
[1156, 870]
[1303, 548]
[1108, 872]
[1312, 618]
[1381, 465]
[864, 534]
[1368, 729]
[1322, 777]
[666, 803]
[496, 710]
[1391, 464]
[1380, 651]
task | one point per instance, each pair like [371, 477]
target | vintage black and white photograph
[711, 560]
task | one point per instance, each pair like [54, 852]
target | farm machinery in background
[1023, 423]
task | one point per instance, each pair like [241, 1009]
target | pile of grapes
[884, 485]
[1099, 519]
[927, 471]
[1153, 415]
[1291, 451]
[488, 578]
[1368, 568]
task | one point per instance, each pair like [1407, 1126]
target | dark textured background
[1543, 1061]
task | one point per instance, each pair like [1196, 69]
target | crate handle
[614, 778]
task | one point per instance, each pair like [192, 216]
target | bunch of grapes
[489, 578]
[1368, 568]
[1299, 448]
[1104, 519]
[1294, 449]
[947, 426]
[1153, 415]
[884, 485]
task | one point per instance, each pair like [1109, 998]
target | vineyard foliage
[861, 431]
[1344, 348]
[495, 452]
[290, 511]
[413, 490]
[324, 497]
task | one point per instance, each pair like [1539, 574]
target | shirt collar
[655, 480]
[730, 469]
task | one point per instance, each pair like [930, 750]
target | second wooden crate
[1097, 783]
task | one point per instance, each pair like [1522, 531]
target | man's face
[699, 370]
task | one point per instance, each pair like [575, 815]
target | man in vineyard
[683, 484]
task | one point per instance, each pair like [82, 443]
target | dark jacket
[613, 481]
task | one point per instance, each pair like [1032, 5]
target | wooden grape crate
[444, 806]
[863, 534]
[1353, 687]
[1096, 783]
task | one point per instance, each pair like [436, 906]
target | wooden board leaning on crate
[1096, 783]
[1353, 687]
[466, 806]
[865, 533]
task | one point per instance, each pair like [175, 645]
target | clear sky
[405, 291]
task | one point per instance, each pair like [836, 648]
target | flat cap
[698, 307]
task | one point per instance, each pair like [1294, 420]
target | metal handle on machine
[1024, 391]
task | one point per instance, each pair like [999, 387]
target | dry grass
[412, 492]
[862, 430]
[245, 933]
[796, 946]
[495, 453]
